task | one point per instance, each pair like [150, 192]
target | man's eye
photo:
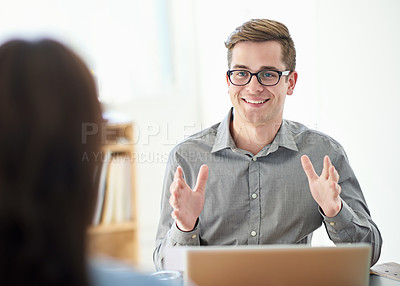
[242, 73]
[269, 74]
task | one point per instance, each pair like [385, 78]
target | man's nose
[254, 86]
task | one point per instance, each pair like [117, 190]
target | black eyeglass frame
[280, 73]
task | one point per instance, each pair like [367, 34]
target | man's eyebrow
[240, 67]
[261, 68]
[269, 68]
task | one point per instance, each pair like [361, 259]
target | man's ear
[227, 80]
[292, 82]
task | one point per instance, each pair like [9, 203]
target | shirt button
[332, 223]
[194, 236]
[254, 159]
[253, 233]
[254, 196]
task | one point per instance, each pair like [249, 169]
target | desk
[375, 280]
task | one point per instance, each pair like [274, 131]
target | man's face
[255, 103]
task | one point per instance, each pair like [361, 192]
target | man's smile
[255, 101]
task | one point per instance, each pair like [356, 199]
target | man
[263, 186]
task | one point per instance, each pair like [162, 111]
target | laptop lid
[279, 265]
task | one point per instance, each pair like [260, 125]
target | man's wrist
[183, 229]
[333, 210]
[184, 238]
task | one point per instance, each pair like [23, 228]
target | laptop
[277, 265]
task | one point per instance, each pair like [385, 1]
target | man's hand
[325, 188]
[187, 203]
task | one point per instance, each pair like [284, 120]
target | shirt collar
[283, 138]
[224, 139]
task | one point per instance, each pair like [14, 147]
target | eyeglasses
[265, 77]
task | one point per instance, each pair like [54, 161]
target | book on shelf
[102, 177]
[117, 196]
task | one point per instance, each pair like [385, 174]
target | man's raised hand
[325, 188]
[187, 203]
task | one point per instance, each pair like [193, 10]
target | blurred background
[162, 64]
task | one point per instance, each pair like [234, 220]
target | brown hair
[260, 30]
[47, 191]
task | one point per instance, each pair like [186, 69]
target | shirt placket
[254, 197]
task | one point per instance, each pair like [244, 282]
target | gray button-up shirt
[263, 198]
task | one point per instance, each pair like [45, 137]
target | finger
[338, 188]
[325, 170]
[174, 215]
[178, 173]
[308, 168]
[178, 183]
[335, 186]
[333, 174]
[173, 201]
[175, 186]
[201, 179]
[176, 191]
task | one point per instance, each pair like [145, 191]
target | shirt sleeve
[168, 234]
[353, 223]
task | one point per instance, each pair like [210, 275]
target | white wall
[358, 41]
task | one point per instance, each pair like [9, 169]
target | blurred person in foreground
[256, 178]
[47, 192]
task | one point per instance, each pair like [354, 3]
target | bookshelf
[114, 231]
